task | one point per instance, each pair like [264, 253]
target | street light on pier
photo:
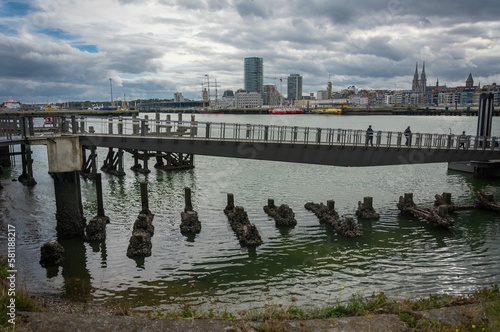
[111, 89]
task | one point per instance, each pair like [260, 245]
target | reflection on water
[398, 255]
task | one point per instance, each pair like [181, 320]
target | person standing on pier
[462, 139]
[369, 135]
[408, 136]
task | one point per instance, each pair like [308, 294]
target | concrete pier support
[69, 209]
[65, 162]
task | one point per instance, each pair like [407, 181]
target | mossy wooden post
[368, 203]
[408, 199]
[98, 186]
[442, 210]
[447, 198]
[270, 203]
[187, 200]
[230, 200]
[144, 196]
[330, 204]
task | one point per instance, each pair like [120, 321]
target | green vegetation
[484, 316]
[21, 299]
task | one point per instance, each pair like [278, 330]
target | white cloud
[157, 47]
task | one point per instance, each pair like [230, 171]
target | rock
[190, 222]
[52, 254]
[139, 244]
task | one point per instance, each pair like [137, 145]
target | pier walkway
[324, 146]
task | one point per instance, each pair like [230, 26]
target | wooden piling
[368, 202]
[270, 203]
[144, 196]
[330, 204]
[187, 200]
[98, 185]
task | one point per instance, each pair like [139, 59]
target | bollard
[144, 197]
[187, 200]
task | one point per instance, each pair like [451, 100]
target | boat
[11, 105]
[286, 110]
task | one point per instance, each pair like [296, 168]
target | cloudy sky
[67, 50]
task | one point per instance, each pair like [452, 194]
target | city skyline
[52, 53]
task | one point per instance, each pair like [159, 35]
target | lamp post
[111, 89]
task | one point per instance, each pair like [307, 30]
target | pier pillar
[65, 160]
[5, 156]
[188, 205]
[26, 177]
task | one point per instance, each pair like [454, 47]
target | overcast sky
[67, 50]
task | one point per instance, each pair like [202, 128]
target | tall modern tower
[294, 87]
[254, 75]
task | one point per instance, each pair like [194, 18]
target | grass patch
[20, 297]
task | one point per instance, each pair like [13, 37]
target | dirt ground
[59, 316]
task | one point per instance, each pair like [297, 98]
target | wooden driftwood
[438, 215]
[345, 226]
[486, 200]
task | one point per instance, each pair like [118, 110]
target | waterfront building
[254, 75]
[294, 87]
[178, 97]
[246, 99]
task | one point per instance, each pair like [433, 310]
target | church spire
[470, 81]
[415, 78]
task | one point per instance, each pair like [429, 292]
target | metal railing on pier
[31, 126]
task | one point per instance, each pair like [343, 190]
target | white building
[243, 99]
[178, 97]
